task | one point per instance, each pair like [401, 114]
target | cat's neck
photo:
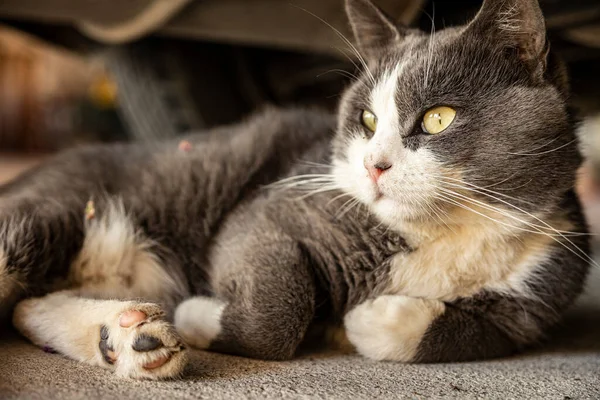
[480, 225]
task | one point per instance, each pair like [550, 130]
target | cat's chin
[394, 213]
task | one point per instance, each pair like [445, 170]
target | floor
[567, 366]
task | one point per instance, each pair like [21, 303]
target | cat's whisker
[430, 49]
[533, 226]
[435, 211]
[356, 206]
[304, 186]
[347, 206]
[337, 198]
[313, 163]
[346, 41]
[477, 187]
[500, 183]
[305, 176]
[317, 191]
[546, 144]
[544, 152]
[516, 187]
[457, 203]
[339, 72]
[513, 217]
[303, 179]
[337, 214]
[546, 225]
[579, 253]
[558, 234]
[357, 68]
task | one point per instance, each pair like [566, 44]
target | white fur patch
[589, 135]
[391, 327]
[71, 325]
[468, 257]
[383, 102]
[407, 190]
[117, 261]
[198, 320]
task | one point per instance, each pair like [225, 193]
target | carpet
[566, 366]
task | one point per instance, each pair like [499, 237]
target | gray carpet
[566, 367]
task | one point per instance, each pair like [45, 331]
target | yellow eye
[369, 120]
[438, 119]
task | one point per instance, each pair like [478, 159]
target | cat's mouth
[378, 194]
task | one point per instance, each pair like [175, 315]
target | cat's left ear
[374, 31]
[517, 24]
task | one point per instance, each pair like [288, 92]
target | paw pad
[139, 343]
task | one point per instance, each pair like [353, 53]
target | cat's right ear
[374, 31]
[516, 24]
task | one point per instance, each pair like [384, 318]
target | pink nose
[375, 170]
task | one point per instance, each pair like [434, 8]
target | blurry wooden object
[588, 183]
[39, 88]
[269, 23]
[13, 165]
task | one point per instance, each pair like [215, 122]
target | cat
[433, 217]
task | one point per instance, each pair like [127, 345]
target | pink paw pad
[130, 318]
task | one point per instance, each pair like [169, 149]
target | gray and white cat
[433, 218]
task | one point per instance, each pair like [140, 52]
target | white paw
[198, 320]
[138, 343]
[390, 327]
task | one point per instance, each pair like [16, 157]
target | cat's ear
[517, 24]
[374, 31]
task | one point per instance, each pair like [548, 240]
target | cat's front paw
[139, 343]
[390, 327]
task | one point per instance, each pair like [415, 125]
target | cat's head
[467, 115]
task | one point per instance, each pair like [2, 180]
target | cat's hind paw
[141, 344]
[131, 338]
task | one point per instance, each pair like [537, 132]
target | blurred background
[82, 71]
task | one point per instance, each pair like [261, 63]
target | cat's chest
[461, 266]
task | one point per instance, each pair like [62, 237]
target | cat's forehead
[445, 66]
[419, 47]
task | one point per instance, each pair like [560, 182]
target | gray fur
[283, 261]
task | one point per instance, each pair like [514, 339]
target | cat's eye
[438, 119]
[369, 120]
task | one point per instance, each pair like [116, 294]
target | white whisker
[544, 152]
[430, 49]
[579, 253]
[340, 72]
[346, 41]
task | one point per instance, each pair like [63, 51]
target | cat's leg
[262, 307]
[407, 329]
[129, 337]
[116, 261]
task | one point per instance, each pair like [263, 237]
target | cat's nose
[376, 169]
